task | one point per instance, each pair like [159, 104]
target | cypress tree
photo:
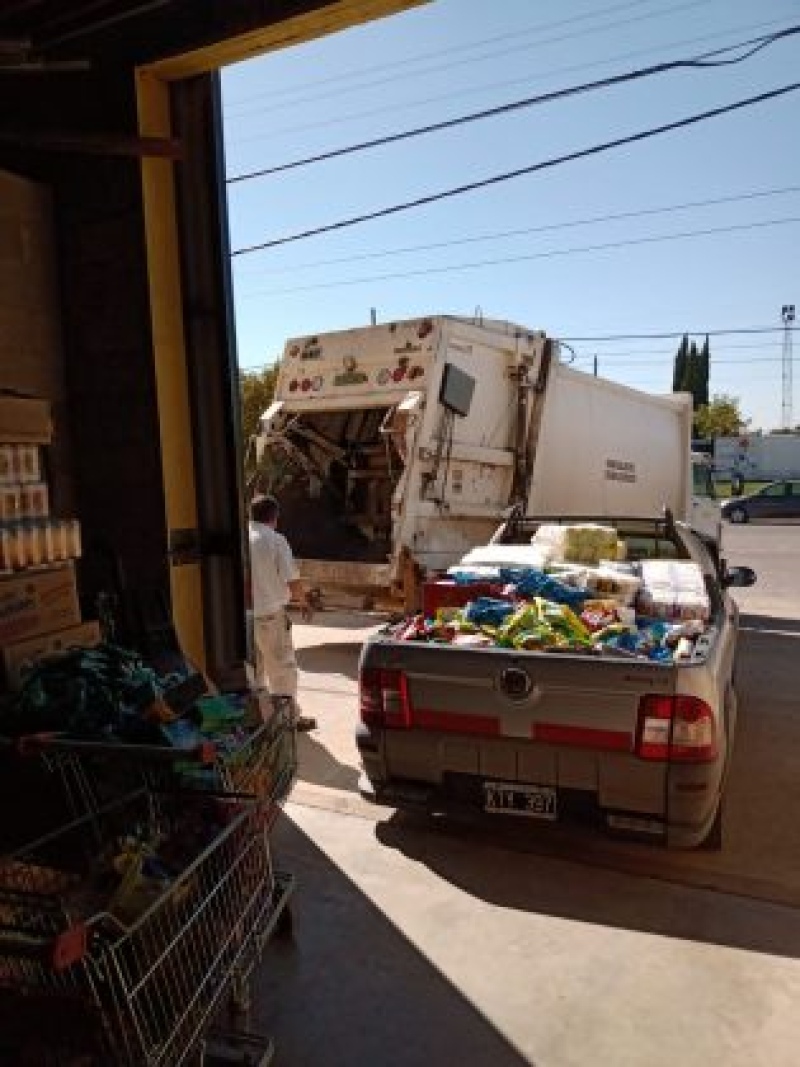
[703, 375]
[692, 377]
[679, 372]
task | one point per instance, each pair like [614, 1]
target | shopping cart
[259, 762]
[106, 960]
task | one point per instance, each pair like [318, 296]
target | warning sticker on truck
[618, 470]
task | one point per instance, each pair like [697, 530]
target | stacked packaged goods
[39, 609]
[579, 601]
[29, 535]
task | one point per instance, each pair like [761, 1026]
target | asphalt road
[426, 943]
[774, 554]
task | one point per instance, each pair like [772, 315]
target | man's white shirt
[272, 567]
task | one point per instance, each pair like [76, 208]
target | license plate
[512, 798]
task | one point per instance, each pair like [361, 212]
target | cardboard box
[38, 602]
[19, 656]
[25, 421]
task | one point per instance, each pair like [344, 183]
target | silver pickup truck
[640, 748]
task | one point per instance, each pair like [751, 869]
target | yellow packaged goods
[37, 603]
[588, 543]
[21, 655]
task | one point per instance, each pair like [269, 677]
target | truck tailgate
[559, 720]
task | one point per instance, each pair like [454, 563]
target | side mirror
[739, 578]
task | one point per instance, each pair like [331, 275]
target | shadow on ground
[351, 989]
[769, 622]
[317, 765]
[760, 858]
[599, 895]
[339, 657]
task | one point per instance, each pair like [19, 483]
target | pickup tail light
[677, 728]
[383, 698]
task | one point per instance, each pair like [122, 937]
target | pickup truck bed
[635, 746]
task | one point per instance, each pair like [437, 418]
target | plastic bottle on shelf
[28, 467]
[62, 540]
[74, 536]
[17, 546]
[5, 550]
[34, 544]
[10, 503]
[47, 541]
[7, 467]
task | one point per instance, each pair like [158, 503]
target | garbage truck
[394, 448]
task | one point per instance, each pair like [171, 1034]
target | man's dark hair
[264, 509]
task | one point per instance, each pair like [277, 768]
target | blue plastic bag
[486, 611]
[528, 582]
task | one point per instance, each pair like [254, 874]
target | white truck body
[380, 482]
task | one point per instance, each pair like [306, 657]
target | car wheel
[712, 842]
[737, 515]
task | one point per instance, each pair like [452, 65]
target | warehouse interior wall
[138, 350]
[93, 311]
[30, 315]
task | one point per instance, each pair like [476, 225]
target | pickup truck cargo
[394, 448]
[635, 745]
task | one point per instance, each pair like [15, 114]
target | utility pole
[787, 315]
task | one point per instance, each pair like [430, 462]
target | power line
[717, 361]
[496, 179]
[554, 253]
[668, 335]
[650, 353]
[491, 86]
[700, 62]
[420, 57]
[731, 331]
[590, 220]
[438, 66]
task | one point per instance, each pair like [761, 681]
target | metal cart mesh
[259, 763]
[136, 977]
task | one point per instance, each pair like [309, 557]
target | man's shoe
[304, 723]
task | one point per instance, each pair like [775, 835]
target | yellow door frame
[164, 272]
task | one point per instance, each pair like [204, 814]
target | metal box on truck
[393, 449]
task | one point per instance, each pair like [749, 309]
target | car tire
[738, 515]
[712, 842]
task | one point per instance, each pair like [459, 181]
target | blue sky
[452, 57]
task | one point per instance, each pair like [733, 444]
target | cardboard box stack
[39, 609]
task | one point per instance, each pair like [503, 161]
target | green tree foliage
[680, 365]
[256, 389]
[691, 371]
[703, 374]
[692, 380]
[722, 417]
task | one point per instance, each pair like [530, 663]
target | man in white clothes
[275, 581]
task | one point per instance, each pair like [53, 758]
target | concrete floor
[420, 943]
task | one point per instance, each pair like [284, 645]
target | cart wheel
[284, 926]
